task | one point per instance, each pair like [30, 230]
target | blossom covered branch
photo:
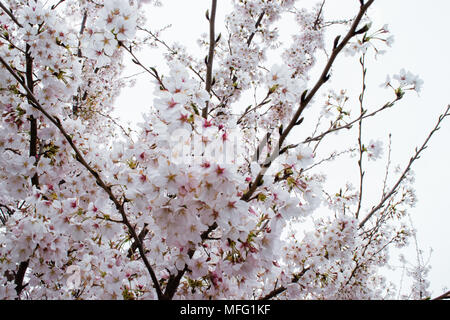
[205, 198]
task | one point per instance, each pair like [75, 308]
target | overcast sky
[421, 46]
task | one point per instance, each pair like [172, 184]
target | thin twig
[257, 24]
[172, 51]
[56, 5]
[333, 156]
[127, 134]
[443, 296]
[107, 188]
[316, 23]
[138, 62]
[415, 157]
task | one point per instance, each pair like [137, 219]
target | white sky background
[421, 46]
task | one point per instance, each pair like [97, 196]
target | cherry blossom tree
[211, 196]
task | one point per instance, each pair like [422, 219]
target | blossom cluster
[186, 197]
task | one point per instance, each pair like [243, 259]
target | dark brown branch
[23, 266]
[349, 125]
[325, 73]
[76, 99]
[174, 281]
[135, 60]
[316, 23]
[308, 96]
[18, 280]
[2, 36]
[443, 296]
[257, 24]
[83, 26]
[415, 157]
[265, 101]
[5, 213]
[212, 44]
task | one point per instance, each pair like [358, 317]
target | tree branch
[325, 73]
[141, 237]
[9, 13]
[172, 51]
[361, 150]
[4, 215]
[135, 60]
[351, 123]
[443, 296]
[174, 281]
[408, 167]
[212, 44]
[23, 266]
[257, 24]
[275, 292]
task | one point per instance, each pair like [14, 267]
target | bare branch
[325, 73]
[265, 101]
[83, 26]
[212, 44]
[307, 97]
[351, 123]
[415, 157]
[332, 156]
[135, 60]
[388, 164]
[174, 281]
[275, 292]
[361, 150]
[5, 213]
[443, 296]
